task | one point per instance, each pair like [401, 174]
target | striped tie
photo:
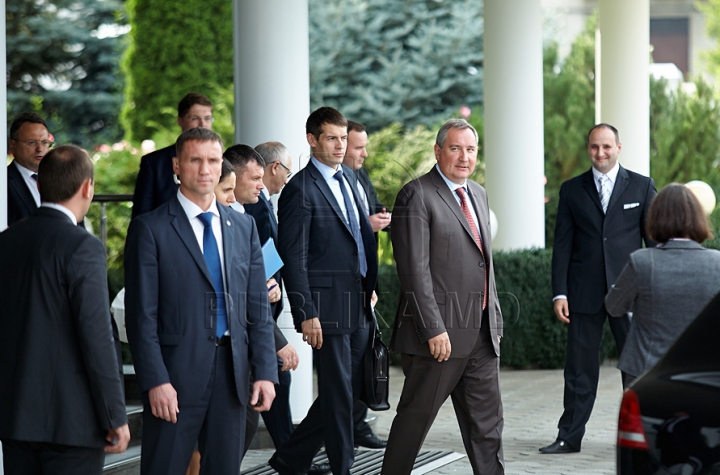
[476, 235]
[604, 192]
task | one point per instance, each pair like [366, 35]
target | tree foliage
[684, 126]
[684, 134]
[62, 63]
[175, 48]
[408, 61]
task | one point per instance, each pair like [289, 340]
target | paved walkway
[533, 404]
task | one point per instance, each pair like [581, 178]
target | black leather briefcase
[377, 363]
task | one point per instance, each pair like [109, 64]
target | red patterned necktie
[476, 235]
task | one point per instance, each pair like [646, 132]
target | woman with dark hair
[665, 287]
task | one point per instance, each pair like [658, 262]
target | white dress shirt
[453, 187]
[329, 174]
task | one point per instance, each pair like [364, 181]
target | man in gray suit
[448, 324]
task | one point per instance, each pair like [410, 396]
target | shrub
[533, 336]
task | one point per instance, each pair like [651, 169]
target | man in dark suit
[448, 324]
[250, 193]
[379, 218]
[61, 397]
[354, 158]
[155, 183]
[198, 319]
[600, 221]
[330, 272]
[28, 144]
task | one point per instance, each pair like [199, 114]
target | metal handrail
[103, 200]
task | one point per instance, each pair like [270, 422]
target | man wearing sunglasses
[28, 144]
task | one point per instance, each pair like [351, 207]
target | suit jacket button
[211, 338]
[481, 264]
[357, 281]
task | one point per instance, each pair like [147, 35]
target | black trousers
[582, 370]
[39, 458]
[329, 420]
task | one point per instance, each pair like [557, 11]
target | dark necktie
[34, 176]
[476, 235]
[212, 259]
[354, 226]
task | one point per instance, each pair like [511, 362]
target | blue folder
[273, 263]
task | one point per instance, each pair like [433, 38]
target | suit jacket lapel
[271, 213]
[17, 182]
[621, 182]
[327, 193]
[588, 182]
[181, 224]
[230, 246]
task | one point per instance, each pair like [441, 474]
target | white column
[3, 135]
[514, 161]
[272, 103]
[625, 85]
[272, 73]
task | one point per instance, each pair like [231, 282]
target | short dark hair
[676, 213]
[62, 172]
[227, 169]
[607, 126]
[271, 152]
[355, 126]
[22, 118]
[200, 134]
[321, 116]
[190, 100]
[240, 155]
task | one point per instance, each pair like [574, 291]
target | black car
[670, 417]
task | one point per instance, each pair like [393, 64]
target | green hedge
[534, 338]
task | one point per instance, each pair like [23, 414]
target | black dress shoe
[558, 447]
[281, 466]
[319, 469]
[371, 441]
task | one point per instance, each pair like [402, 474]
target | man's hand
[380, 220]
[274, 293]
[373, 299]
[440, 347]
[289, 357]
[561, 310]
[164, 403]
[312, 332]
[122, 434]
[263, 395]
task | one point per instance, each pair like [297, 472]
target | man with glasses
[155, 184]
[28, 144]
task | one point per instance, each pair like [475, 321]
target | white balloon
[493, 225]
[704, 193]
